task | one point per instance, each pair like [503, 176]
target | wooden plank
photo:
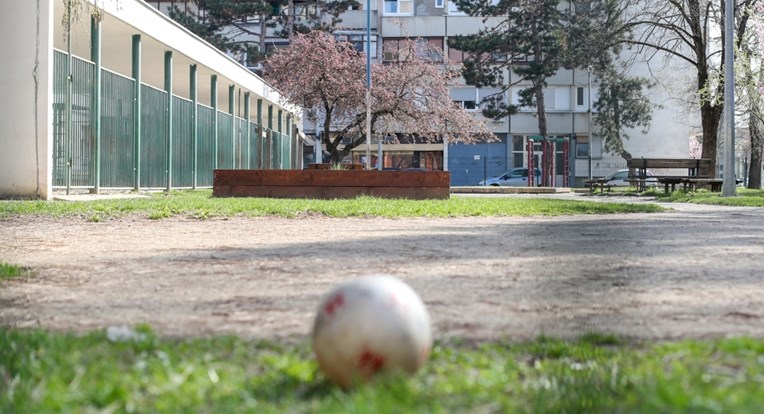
[317, 192]
[332, 178]
[669, 163]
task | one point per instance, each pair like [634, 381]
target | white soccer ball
[368, 325]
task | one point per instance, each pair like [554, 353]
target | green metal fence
[255, 146]
[206, 146]
[117, 158]
[153, 141]
[183, 143]
[225, 141]
[74, 153]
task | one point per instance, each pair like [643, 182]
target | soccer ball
[368, 325]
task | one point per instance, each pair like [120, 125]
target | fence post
[169, 117]
[95, 56]
[291, 152]
[270, 138]
[194, 126]
[137, 112]
[260, 133]
[231, 91]
[247, 124]
[214, 105]
[280, 146]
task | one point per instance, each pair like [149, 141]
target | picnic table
[598, 182]
[693, 177]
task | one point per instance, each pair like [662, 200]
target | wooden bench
[714, 184]
[693, 166]
[601, 183]
[331, 184]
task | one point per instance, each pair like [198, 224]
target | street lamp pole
[589, 123]
[729, 174]
[369, 86]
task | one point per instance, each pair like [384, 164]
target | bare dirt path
[696, 271]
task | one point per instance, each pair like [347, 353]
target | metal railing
[74, 153]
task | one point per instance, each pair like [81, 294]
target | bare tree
[685, 30]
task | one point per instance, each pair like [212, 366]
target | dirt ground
[696, 271]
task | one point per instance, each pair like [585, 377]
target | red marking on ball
[334, 303]
[371, 361]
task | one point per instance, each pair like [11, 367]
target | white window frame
[398, 11]
[439, 4]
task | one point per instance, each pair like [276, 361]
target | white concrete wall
[25, 110]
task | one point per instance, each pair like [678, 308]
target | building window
[398, 7]
[440, 4]
[427, 48]
[580, 96]
[582, 148]
[466, 105]
[359, 42]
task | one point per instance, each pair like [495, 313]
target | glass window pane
[517, 159]
[582, 150]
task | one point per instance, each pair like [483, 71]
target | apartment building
[568, 99]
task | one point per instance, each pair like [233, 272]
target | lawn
[61, 372]
[744, 197]
[200, 204]
[46, 371]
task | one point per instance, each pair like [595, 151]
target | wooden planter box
[329, 184]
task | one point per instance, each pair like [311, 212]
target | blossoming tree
[409, 95]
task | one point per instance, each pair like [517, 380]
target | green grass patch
[200, 204]
[744, 197]
[58, 372]
[8, 271]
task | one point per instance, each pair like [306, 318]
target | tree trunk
[263, 34]
[290, 18]
[710, 121]
[549, 172]
[754, 180]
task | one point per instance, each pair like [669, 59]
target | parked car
[517, 177]
[621, 179]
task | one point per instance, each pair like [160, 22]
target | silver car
[517, 177]
[621, 179]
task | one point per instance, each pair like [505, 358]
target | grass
[44, 372]
[8, 271]
[201, 205]
[744, 197]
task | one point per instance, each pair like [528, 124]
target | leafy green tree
[596, 35]
[228, 24]
[621, 104]
[535, 39]
[532, 31]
